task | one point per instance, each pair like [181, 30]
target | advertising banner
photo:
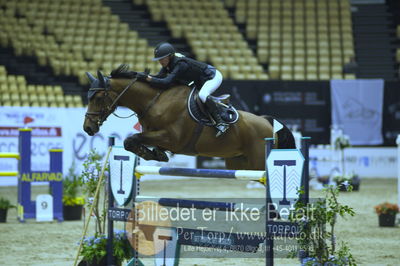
[47, 132]
[375, 162]
[297, 104]
[357, 109]
[391, 112]
[63, 128]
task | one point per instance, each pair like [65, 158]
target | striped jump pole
[249, 175]
[398, 169]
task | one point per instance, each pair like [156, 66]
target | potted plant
[387, 213]
[4, 206]
[89, 178]
[317, 239]
[94, 249]
[72, 203]
[342, 181]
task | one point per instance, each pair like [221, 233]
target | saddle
[200, 114]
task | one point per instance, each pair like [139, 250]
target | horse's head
[100, 103]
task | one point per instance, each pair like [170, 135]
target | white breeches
[210, 86]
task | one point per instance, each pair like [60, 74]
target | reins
[111, 108]
[151, 103]
[122, 93]
[103, 114]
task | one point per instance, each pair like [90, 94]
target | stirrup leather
[199, 111]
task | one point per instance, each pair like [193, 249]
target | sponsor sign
[377, 162]
[305, 105]
[63, 128]
[285, 168]
[122, 176]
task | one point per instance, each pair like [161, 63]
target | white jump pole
[398, 169]
[248, 175]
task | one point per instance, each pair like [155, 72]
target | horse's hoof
[130, 145]
[147, 156]
[160, 155]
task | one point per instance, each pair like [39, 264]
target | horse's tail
[285, 136]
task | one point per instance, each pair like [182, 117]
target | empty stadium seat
[74, 36]
[59, 35]
[211, 34]
[291, 34]
[14, 91]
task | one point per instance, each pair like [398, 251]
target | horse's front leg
[137, 144]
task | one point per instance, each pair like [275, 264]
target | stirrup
[221, 129]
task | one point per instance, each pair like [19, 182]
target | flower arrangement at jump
[343, 179]
[387, 213]
[386, 208]
[89, 178]
[317, 243]
[93, 248]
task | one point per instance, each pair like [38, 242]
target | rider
[178, 68]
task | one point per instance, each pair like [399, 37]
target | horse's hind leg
[252, 159]
[236, 163]
[256, 156]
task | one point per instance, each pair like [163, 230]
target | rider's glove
[141, 76]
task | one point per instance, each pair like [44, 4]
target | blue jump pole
[56, 185]
[305, 145]
[269, 242]
[206, 173]
[26, 207]
[110, 224]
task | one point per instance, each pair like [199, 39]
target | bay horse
[167, 125]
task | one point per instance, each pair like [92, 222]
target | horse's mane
[123, 72]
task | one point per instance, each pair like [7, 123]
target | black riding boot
[220, 125]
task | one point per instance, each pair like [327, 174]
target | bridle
[106, 110]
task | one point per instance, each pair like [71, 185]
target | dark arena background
[327, 69]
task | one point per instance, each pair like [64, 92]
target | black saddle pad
[228, 113]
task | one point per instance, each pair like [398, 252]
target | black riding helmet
[163, 50]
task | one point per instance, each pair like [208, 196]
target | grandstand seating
[300, 40]
[212, 35]
[15, 91]
[72, 36]
[296, 39]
